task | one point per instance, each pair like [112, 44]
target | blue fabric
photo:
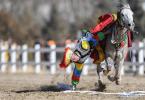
[89, 37]
[76, 72]
[93, 42]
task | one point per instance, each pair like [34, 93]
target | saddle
[97, 55]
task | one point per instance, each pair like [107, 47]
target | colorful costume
[105, 21]
[89, 45]
[85, 45]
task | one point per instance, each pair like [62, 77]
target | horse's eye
[129, 25]
[122, 14]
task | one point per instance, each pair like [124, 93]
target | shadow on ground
[49, 88]
[55, 88]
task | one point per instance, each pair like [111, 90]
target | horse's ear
[124, 4]
[127, 6]
[128, 1]
[125, 1]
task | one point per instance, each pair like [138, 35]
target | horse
[116, 48]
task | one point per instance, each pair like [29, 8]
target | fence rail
[8, 58]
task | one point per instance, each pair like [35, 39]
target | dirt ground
[44, 87]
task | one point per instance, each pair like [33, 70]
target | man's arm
[105, 20]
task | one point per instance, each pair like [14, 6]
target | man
[78, 56]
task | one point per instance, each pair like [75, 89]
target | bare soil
[44, 87]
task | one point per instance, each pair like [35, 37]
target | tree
[139, 18]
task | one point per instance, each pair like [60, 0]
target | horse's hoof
[110, 78]
[117, 81]
[100, 86]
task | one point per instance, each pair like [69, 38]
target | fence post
[141, 58]
[133, 59]
[24, 57]
[37, 58]
[86, 66]
[4, 56]
[13, 58]
[122, 70]
[52, 59]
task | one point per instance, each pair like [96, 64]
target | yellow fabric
[85, 45]
[114, 17]
[101, 55]
[68, 57]
[79, 66]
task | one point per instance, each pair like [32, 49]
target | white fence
[12, 63]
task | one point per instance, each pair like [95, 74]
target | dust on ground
[44, 87]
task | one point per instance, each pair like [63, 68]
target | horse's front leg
[119, 60]
[100, 86]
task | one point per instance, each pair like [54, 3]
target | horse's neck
[119, 34]
[121, 30]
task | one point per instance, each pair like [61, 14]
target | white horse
[116, 46]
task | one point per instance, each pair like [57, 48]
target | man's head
[125, 16]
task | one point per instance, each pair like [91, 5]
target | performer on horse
[92, 41]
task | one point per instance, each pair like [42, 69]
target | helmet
[125, 17]
[84, 30]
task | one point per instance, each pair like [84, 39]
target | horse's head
[125, 17]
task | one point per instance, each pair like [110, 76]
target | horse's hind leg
[100, 86]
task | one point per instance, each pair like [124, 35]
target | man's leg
[76, 74]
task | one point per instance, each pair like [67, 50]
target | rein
[118, 39]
